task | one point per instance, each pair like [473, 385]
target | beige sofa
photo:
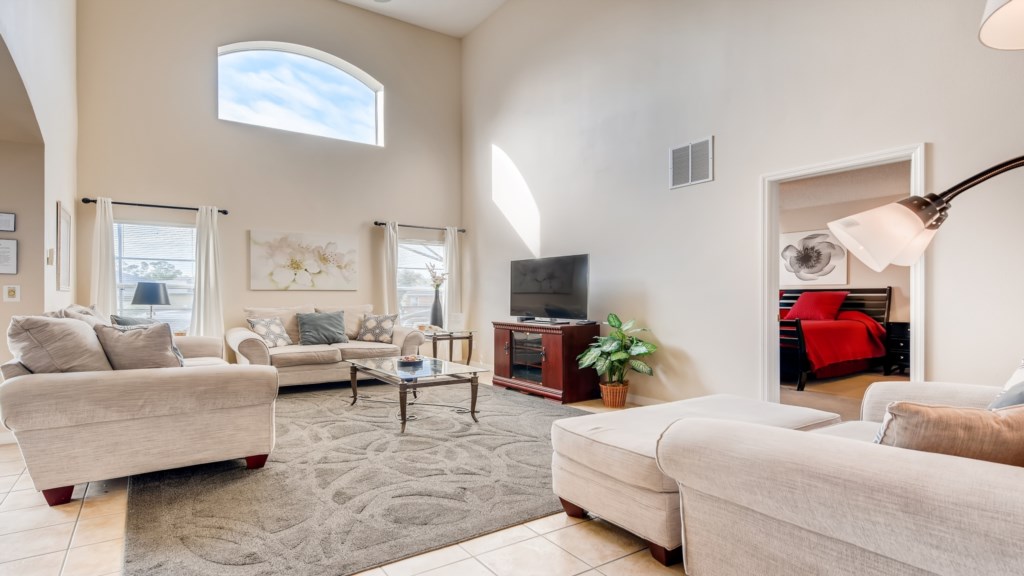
[75, 427]
[764, 500]
[297, 364]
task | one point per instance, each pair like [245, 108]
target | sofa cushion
[862, 430]
[296, 355]
[625, 441]
[378, 328]
[356, 350]
[978, 433]
[271, 330]
[139, 346]
[353, 316]
[203, 361]
[321, 328]
[45, 344]
[285, 313]
[83, 313]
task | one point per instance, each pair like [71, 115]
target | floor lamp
[898, 233]
[151, 294]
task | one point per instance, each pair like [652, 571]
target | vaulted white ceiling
[452, 17]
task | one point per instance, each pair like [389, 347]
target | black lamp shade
[151, 294]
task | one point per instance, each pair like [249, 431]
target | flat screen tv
[554, 288]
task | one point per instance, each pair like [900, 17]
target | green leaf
[588, 358]
[641, 348]
[619, 356]
[601, 365]
[611, 345]
[628, 325]
[614, 321]
[641, 367]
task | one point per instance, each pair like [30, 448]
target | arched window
[299, 89]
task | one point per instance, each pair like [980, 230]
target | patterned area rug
[344, 491]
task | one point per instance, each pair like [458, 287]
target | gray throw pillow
[1013, 396]
[271, 330]
[44, 344]
[378, 328]
[174, 346]
[130, 321]
[322, 328]
[139, 347]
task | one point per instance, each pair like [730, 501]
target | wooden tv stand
[541, 359]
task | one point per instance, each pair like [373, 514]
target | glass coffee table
[423, 374]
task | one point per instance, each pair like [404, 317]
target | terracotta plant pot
[614, 396]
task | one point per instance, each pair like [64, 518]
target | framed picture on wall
[813, 257]
[63, 248]
[8, 256]
[7, 222]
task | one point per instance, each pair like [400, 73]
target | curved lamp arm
[898, 233]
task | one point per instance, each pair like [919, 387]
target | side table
[444, 336]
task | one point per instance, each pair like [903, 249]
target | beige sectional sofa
[312, 364]
[766, 500]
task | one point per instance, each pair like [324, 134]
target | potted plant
[614, 355]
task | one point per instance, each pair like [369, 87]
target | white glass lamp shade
[881, 235]
[917, 246]
[1002, 26]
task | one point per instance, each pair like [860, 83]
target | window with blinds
[415, 290]
[156, 253]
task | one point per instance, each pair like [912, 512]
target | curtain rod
[93, 201]
[379, 223]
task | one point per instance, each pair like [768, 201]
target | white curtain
[104, 278]
[453, 319]
[208, 307]
[391, 268]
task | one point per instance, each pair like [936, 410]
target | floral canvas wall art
[814, 257]
[293, 261]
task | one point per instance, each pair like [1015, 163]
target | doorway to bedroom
[841, 326]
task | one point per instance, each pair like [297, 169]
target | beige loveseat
[75, 427]
[319, 363]
[764, 500]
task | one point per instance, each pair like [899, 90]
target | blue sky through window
[297, 93]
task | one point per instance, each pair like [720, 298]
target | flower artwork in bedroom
[284, 261]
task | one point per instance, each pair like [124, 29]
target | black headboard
[874, 302]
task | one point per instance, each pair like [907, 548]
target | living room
[577, 104]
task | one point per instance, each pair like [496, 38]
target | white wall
[587, 97]
[150, 133]
[40, 35]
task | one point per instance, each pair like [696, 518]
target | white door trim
[769, 348]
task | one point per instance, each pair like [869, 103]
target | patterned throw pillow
[271, 330]
[377, 328]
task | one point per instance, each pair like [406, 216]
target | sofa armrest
[880, 394]
[930, 511]
[248, 346]
[408, 339]
[38, 401]
[200, 346]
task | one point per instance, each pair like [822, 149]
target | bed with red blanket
[832, 332]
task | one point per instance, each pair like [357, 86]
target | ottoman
[605, 463]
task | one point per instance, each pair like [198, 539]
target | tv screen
[550, 287]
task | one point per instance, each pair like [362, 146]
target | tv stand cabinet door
[551, 369]
[502, 352]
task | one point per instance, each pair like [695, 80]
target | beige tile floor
[86, 538]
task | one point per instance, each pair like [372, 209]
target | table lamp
[898, 233]
[151, 294]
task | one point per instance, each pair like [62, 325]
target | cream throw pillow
[992, 435]
[44, 344]
[286, 314]
[139, 346]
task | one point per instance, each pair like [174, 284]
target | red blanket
[851, 336]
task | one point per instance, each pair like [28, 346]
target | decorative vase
[435, 311]
[614, 396]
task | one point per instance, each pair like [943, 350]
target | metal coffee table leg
[472, 398]
[401, 401]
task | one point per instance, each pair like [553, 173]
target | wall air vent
[693, 163]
